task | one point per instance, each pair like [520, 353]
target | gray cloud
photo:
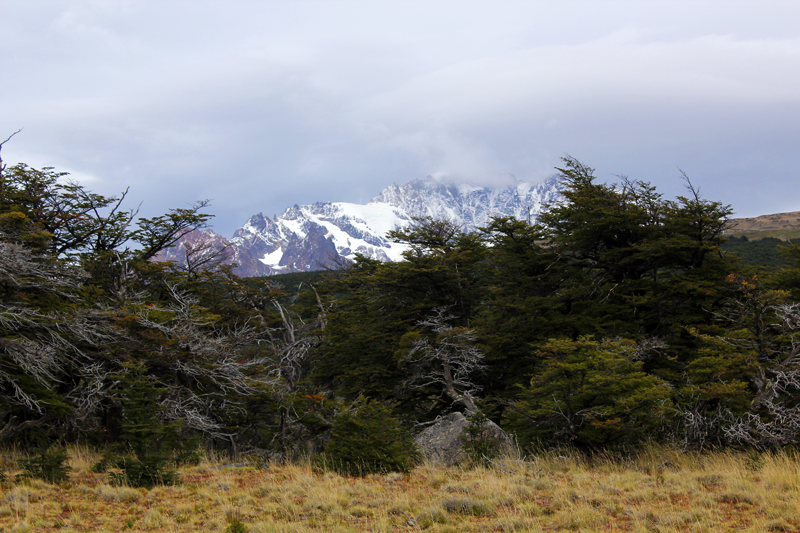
[260, 105]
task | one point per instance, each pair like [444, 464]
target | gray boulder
[442, 443]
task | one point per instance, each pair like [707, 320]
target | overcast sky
[259, 105]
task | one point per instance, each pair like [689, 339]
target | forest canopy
[615, 318]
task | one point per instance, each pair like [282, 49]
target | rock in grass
[443, 444]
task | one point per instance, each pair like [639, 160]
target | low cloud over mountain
[325, 234]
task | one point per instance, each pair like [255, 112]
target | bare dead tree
[449, 362]
[192, 255]
[39, 344]
[122, 290]
[778, 426]
[211, 353]
[699, 429]
[322, 320]
[774, 416]
[207, 357]
[23, 269]
[780, 368]
[96, 384]
[767, 328]
[290, 345]
[643, 350]
[292, 341]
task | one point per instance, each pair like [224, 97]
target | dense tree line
[758, 253]
[614, 318]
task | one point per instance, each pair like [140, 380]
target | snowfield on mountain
[324, 234]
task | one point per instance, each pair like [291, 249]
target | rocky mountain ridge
[326, 234]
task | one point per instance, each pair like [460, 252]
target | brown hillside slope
[783, 226]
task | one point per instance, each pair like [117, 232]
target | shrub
[368, 441]
[479, 447]
[49, 465]
[235, 526]
[146, 472]
[150, 446]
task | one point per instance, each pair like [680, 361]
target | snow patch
[272, 259]
[362, 228]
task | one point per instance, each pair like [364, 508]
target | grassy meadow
[659, 490]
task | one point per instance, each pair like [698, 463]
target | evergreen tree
[379, 303]
[149, 445]
[370, 440]
[592, 393]
[523, 305]
[610, 261]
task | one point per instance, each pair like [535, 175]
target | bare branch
[2, 166]
[449, 362]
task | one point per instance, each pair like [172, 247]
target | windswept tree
[79, 298]
[44, 332]
[44, 208]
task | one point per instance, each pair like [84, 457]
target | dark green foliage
[788, 279]
[368, 441]
[611, 261]
[523, 277]
[592, 393]
[235, 526]
[42, 209]
[478, 447]
[292, 283]
[146, 472]
[150, 447]
[155, 234]
[615, 318]
[628, 281]
[49, 464]
[761, 253]
[378, 304]
[635, 264]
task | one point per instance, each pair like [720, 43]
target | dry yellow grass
[659, 490]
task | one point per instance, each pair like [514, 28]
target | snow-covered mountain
[325, 234]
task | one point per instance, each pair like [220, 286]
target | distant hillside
[760, 253]
[757, 241]
[783, 226]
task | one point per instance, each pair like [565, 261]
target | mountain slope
[783, 226]
[313, 237]
[328, 234]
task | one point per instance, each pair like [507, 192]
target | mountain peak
[316, 236]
